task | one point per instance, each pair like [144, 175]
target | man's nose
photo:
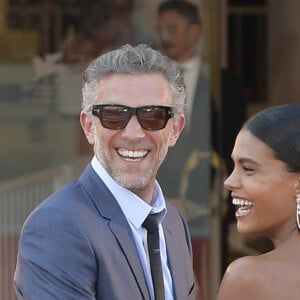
[164, 34]
[133, 128]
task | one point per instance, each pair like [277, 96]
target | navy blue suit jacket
[78, 245]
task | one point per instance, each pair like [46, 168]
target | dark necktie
[151, 225]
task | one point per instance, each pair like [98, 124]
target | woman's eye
[248, 169]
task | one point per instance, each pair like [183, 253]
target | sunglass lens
[117, 116]
[114, 117]
[153, 118]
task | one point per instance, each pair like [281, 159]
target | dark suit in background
[187, 172]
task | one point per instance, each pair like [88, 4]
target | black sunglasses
[151, 117]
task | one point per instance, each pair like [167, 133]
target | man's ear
[178, 126]
[87, 126]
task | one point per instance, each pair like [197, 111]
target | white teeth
[132, 153]
[242, 202]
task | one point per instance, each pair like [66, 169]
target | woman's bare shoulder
[244, 279]
[274, 275]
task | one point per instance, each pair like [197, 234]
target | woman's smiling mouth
[243, 206]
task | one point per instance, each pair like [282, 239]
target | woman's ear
[177, 128]
[87, 126]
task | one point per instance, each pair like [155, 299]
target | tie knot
[151, 223]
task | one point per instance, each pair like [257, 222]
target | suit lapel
[176, 262]
[123, 234]
[109, 209]
[179, 251]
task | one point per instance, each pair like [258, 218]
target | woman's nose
[232, 181]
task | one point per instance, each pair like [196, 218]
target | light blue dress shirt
[136, 210]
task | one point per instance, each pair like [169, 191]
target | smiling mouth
[132, 155]
[243, 206]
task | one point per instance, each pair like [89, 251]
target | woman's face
[261, 188]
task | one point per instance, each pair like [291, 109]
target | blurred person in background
[190, 171]
[104, 25]
[186, 172]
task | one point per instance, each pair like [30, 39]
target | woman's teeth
[242, 202]
[243, 206]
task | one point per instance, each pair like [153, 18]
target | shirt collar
[134, 208]
[192, 63]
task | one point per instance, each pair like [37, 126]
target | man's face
[132, 155]
[178, 38]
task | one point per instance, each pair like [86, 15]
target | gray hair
[132, 60]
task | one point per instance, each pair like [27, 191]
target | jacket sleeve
[55, 259]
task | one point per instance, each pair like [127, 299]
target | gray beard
[128, 181]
